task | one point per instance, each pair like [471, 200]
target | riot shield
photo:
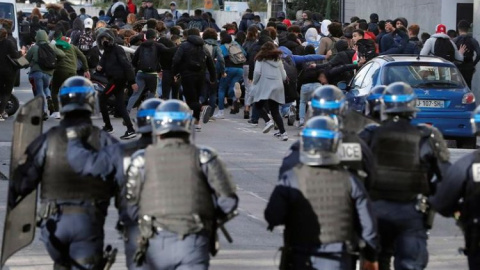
[354, 121]
[19, 229]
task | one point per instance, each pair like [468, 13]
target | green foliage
[315, 6]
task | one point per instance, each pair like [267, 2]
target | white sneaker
[237, 90]
[219, 115]
[268, 126]
[198, 128]
[283, 136]
[55, 115]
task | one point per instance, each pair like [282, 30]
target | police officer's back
[321, 205]
[459, 195]
[170, 187]
[405, 158]
[73, 207]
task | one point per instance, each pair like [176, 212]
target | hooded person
[400, 21]
[312, 38]
[77, 29]
[373, 24]
[440, 40]
[324, 28]
[247, 20]
[39, 76]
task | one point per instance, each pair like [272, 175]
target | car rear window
[7, 12]
[424, 76]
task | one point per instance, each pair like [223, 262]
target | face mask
[105, 43]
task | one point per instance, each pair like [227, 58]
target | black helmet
[145, 114]
[475, 120]
[328, 100]
[399, 98]
[319, 141]
[373, 105]
[172, 116]
[77, 94]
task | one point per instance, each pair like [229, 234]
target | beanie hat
[441, 28]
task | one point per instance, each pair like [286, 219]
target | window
[357, 81]
[371, 76]
[7, 12]
[424, 76]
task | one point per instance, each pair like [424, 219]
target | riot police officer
[320, 202]
[73, 207]
[170, 188]
[372, 106]
[355, 155]
[115, 159]
[459, 192]
[406, 158]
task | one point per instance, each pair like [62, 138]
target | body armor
[176, 193]
[60, 182]
[400, 174]
[325, 212]
[132, 147]
[470, 217]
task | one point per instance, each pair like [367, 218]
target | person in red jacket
[132, 8]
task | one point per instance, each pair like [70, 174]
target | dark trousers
[273, 107]
[467, 73]
[192, 89]
[209, 93]
[115, 88]
[57, 80]
[403, 235]
[6, 87]
[168, 85]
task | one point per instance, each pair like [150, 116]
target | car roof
[413, 58]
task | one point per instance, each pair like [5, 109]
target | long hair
[268, 51]
[36, 12]
[252, 33]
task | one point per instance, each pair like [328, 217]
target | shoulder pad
[371, 127]
[437, 142]
[206, 154]
[426, 130]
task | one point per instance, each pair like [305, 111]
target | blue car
[444, 99]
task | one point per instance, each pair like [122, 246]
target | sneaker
[246, 115]
[253, 123]
[291, 115]
[198, 128]
[2, 119]
[301, 123]
[108, 129]
[237, 90]
[277, 134]
[283, 136]
[219, 115]
[205, 114]
[5, 115]
[55, 115]
[129, 134]
[268, 126]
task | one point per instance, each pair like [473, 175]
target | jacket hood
[275, 64]
[211, 42]
[105, 33]
[41, 36]
[324, 27]
[195, 40]
[78, 24]
[248, 16]
[440, 35]
[311, 34]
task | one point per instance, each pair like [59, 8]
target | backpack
[417, 45]
[210, 48]
[333, 48]
[290, 85]
[195, 24]
[197, 60]
[47, 59]
[468, 41]
[85, 42]
[444, 48]
[235, 53]
[147, 59]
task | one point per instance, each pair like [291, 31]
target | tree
[327, 8]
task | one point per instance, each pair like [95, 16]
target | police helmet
[328, 100]
[77, 94]
[475, 120]
[145, 114]
[373, 104]
[319, 141]
[172, 116]
[399, 99]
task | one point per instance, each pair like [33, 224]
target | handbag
[19, 63]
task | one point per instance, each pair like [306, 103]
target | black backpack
[468, 41]
[290, 85]
[85, 42]
[147, 59]
[198, 59]
[444, 48]
[47, 59]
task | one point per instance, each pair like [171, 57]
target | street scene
[191, 134]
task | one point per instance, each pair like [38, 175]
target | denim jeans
[159, 88]
[305, 95]
[41, 83]
[143, 80]
[234, 75]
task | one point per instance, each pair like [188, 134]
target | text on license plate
[430, 103]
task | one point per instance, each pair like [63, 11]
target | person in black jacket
[168, 82]
[120, 74]
[191, 60]
[247, 20]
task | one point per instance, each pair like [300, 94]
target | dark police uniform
[73, 207]
[460, 191]
[170, 188]
[320, 208]
[406, 157]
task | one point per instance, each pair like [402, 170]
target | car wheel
[467, 143]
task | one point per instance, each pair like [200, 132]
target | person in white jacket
[441, 33]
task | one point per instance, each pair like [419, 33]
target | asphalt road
[253, 159]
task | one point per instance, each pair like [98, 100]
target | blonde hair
[131, 18]
[100, 24]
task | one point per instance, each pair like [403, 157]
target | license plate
[425, 103]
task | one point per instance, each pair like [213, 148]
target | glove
[78, 132]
